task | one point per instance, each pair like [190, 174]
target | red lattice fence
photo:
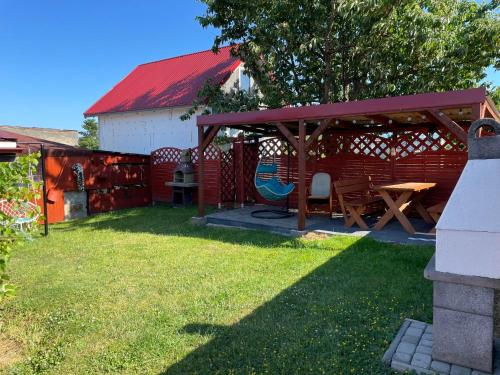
[164, 160]
[421, 154]
[432, 155]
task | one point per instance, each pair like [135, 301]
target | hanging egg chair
[271, 188]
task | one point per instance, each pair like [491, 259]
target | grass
[143, 291]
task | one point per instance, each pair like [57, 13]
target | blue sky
[59, 56]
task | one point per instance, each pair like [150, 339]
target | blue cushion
[261, 168]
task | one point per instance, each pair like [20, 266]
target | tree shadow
[338, 319]
[167, 221]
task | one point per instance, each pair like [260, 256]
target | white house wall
[144, 131]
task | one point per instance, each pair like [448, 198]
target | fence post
[239, 173]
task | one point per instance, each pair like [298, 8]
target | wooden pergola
[301, 126]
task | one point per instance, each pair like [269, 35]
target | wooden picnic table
[407, 194]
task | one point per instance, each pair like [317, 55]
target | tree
[215, 100]
[309, 51]
[16, 186]
[495, 96]
[89, 135]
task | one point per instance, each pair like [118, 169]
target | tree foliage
[89, 135]
[16, 185]
[308, 51]
[213, 99]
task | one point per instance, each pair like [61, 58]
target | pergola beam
[384, 120]
[318, 131]
[288, 135]
[491, 109]
[448, 123]
[208, 137]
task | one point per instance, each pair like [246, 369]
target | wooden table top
[407, 186]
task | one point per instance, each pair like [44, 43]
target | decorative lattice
[250, 155]
[166, 155]
[274, 147]
[416, 142]
[228, 185]
[369, 144]
[212, 152]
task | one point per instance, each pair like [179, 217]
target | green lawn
[143, 291]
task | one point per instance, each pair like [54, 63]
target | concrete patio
[392, 232]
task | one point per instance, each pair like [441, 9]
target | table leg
[422, 211]
[396, 208]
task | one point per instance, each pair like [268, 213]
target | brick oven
[183, 184]
[466, 267]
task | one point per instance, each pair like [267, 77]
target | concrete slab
[392, 232]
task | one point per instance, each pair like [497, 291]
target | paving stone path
[411, 350]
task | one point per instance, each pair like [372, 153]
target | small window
[245, 81]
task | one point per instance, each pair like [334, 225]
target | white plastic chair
[320, 191]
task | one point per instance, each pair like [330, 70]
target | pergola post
[201, 172]
[302, 176]
[204, 139]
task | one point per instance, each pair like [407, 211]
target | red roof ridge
[186, 55]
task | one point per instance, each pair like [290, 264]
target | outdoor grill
[466, 268]
[184, 171]
[183, 181]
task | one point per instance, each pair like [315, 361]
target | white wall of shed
[144, 131]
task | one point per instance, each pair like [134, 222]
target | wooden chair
[435, 212]
[355, 200]
[320, 192]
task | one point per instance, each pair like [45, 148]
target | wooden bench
[356, 200]
[435, 212]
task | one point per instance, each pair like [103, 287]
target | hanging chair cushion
[263, 168]
[273, 189]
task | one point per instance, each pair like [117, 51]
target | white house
[142, 112]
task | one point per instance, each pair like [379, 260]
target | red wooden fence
[112, 180]
[164, 160]
[420, 154]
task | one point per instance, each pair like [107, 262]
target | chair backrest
[321, 185]
[18, 210]
[358, 184]
[353, 185]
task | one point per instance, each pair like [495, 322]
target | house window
[245, 80]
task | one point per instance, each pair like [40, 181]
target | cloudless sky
[57, 57]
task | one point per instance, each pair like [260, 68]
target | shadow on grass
[338, 319]
[167, 221]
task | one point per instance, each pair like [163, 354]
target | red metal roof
[170, 82]
[405, 103]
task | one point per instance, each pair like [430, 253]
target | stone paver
[402, 357]
[459, 370]
[412, 351]
[427, 336]
[424, 349]
[418, 324]
[421, 360]
[406, 347]
[426, 343]
[440, 367]
[410, 339]
[412, 331]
